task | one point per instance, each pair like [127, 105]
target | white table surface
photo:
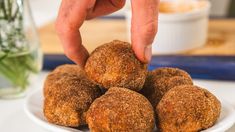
[13, 118]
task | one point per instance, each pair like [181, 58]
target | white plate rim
[230, 119]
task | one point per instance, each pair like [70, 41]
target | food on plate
[66, 69]
[114, 64]
[68, 95]
[160, 80]
[120, 109]
[69, 68]
[73, 98]
[187, 108]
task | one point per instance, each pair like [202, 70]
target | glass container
[20, 54]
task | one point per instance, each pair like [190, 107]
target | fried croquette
[170, 72]
[187, 108]
[121, 109]
[160, 80]
[69, 68]
[114, 64]
[68, 96]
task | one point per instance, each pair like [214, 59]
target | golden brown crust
[67, 97]
[120, 109]
[170, 72]
[160, 80]
[69, 68]
[187, 108]
[115, 65]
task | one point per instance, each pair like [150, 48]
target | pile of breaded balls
[116, 93]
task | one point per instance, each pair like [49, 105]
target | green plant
[16, 59]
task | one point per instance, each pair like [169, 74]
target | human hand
[73, 13]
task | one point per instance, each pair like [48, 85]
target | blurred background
[220, 9]
[219, 48]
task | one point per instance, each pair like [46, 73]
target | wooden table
[221, 40]
[215, 60]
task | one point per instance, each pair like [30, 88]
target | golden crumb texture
[68, 94]
[121, 109]
[161, 80]
[114, 64]
[187, 108]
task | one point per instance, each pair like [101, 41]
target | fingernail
[148, 53]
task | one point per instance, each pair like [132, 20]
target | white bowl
[179, 31]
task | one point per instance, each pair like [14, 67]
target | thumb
[144, 27]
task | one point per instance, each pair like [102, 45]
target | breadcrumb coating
[161, 80]
[114, 64]
[187, 108]
[69, 68]
[67, 96]
[121, 109]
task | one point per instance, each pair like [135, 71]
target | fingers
[73, 48]
[104, 7]
[144, 27]
[71, 16]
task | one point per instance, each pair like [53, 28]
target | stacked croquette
[187, 108]
[121, 109]
[161, 80]
[115, 65]
[135, 99]
[68, 95]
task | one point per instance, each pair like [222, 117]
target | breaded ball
[119, 110]
[160, 80]
[69, 68]
[114, 64]
[67, 97]
[187, 108]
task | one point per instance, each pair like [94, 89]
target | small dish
[179, 31]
